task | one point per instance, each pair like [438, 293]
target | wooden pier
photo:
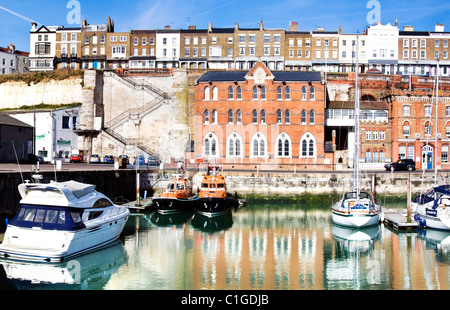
[398, 219]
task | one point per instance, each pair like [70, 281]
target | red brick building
[261, 119]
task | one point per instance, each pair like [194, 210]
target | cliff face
[49, 91]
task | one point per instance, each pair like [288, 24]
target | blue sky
[16, 16]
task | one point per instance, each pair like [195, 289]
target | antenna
[17, 159]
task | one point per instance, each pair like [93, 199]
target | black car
[401, 164]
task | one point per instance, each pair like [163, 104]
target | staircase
[135, 114]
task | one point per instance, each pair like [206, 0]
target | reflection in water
[272, 247]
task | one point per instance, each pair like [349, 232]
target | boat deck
[398, 219]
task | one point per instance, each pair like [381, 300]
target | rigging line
[17, 159]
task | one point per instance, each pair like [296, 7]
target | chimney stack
[293, 26]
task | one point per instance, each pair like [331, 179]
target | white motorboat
[356, 208]
[432, 209]
[57, 221]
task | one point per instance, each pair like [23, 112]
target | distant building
[13, 61]
[16, 140]
[54, 137]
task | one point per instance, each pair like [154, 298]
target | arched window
[206, 117]
[312, 117]
[214, 117]
[210, 145]
[239, 117]
[263, 93]
[406, 129]
[303, 120]
[279, 117]
[207, 94]
[255, 93]
[230, 117]
[308, 145]
[263, 116]
[255, 117]
[288, 93]
[239, 93]
[427, 128]
[258, 145]
[304, 95]
[287, 117]
[230, 93]
[215, 93]
[283, 143]
[312, 94]
[279, 93]
[234, 145]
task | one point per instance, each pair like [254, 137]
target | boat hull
[432, 222]
[355, 220]
[173, 205]
[211, 207]
[34, 244]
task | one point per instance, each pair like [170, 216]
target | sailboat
[356, 208]
[432, 209]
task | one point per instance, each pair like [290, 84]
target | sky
[353, 15]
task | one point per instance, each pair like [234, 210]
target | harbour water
[264, 246]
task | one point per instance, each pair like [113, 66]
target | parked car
[36, 159]
[153, 161]
[140, 160]
[401, 164]
[75, 158]
[94, 158]
[108, 159]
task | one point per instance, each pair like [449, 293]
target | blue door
[430, 160]
[95, 64]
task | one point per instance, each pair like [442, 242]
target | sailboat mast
[357, 142]
[436, 130]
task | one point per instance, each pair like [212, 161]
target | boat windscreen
[48, 218]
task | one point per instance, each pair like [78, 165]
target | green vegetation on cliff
[36, 77]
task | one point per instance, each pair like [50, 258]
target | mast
[436, 130]
[356, 175]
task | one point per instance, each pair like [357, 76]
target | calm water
[260, 247]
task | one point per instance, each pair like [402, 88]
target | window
[255, 117]
[206, 117]
[312, 95]
[215, 93]
[234, 145]
[279, 117]
[406, 129]
[214, 117]
[230, 93]
[279, 93]
[258, 145]
[65, 122]
[210, 145]
[304, 93]
[230, 117]
[288, 93]
[287, 117]
[283, 143]
[263, 93]
[207, 93]
[263, 116]
[427, 129]
[406, 110]
[303, 119]
[255, 93]
[307, 145]
[368, 135]
[239, 93]
[239, 117]
[428, 110]
[312, 116]
[410, 153]
[444, 155]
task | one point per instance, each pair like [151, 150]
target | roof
[364, 105]
[279, 76]
[7, 120]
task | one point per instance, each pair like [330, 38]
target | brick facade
[260, 119]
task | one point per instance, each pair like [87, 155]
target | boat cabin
[213, 186]
[178, 188]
